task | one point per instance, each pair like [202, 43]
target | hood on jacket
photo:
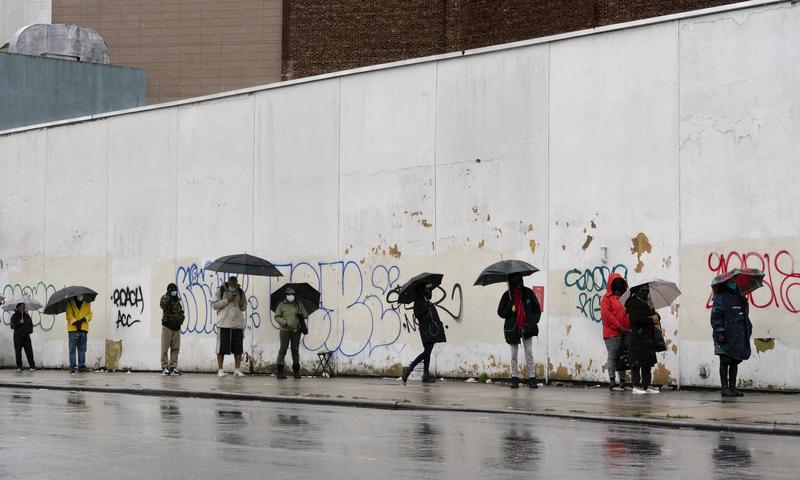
[611, 279]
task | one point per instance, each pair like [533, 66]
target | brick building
[197, 47]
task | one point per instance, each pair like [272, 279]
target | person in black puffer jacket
[22, 325]
[521, 311]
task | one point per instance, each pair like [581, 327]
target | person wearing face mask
[615, 325]
[230, 304]
[641, 339]
[290, 315]
[731, 331]
[79, 314]
[431, 332]
[171, 320]
[22, 325]
[521, 311]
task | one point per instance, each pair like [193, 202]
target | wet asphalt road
[66, 435]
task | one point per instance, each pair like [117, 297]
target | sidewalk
[753, 413]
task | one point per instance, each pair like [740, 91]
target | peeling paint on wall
[588, 241]
[764, 344]
[532, 245]
[641, 245]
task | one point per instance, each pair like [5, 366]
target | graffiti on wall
[591, 285]
[352, 303]
[196, 289]
[41, 292]
[128, 303]
[451, 305]
[781, 288]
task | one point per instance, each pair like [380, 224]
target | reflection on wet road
[65, 435]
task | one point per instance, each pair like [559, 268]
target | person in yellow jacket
[79, 314]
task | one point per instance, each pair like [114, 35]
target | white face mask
[173, 293]
[233, 289]
[80, 298]
[290, 298]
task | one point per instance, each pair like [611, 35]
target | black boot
[514, 382]
[406, 373]
[532, 383]
[428, 378]
[296, 370]
[279, 372]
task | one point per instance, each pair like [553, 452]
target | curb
[704, 425]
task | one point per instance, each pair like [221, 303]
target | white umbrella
[662, 292]
[31, 304]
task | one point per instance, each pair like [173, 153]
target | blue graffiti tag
[356, 307]
[196, 288]
[592, 283]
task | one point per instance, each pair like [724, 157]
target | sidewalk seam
[768, 429]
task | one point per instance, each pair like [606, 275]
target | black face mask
[643, 294]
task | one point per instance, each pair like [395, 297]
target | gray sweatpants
[613, 344]
[527, 344]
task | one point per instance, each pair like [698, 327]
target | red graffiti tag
[780, 278]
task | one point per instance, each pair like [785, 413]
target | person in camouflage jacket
[171, 321]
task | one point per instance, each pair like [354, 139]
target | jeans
[287, 338]
[424, 357]
[613, 344]
[77, 341]
[527, 344]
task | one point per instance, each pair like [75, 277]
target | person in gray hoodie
[230, 304]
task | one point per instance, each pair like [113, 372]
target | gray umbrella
[31, 304]
[662, 292]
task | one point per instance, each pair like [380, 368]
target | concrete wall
[40, 90]
[15, 14]
[652, 151]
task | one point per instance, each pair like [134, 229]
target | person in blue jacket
[731, 331]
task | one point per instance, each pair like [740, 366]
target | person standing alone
[79, 314]
[22, 325]
[229, 303]
[171, 321]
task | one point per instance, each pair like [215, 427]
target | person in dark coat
[431, 331]
[520, 310]
[641, 338]
[731, 331]
[22, 325]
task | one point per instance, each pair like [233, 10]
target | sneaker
[221, 373]
[297, 376]
[175, 371]
[238, 373]
[165, 372]
[83, 370]
[19, 369]
[33, 369]
[638, 391]
[72, 371]
[652, 390]
[532, 383]
[616, 388]
[406, 373]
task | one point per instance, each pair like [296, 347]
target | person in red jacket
[615, 325]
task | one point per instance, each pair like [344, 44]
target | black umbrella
[57, 303]
[500, 271]
[303, 292]
[244, 264]
[408, 291]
